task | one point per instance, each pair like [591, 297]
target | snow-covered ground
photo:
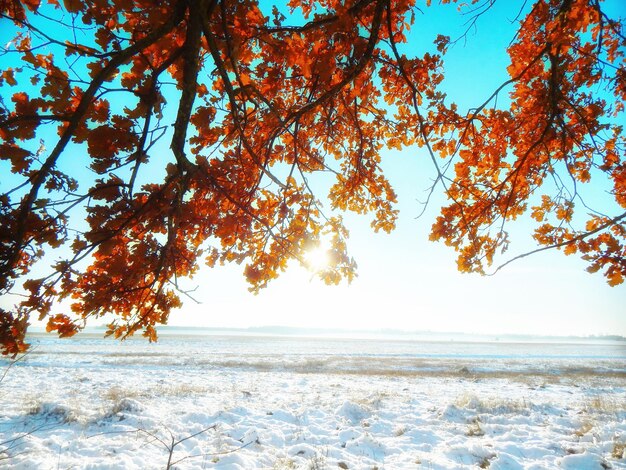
[276, 403]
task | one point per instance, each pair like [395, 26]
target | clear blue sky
[407, 282]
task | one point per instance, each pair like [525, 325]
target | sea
[328, 352]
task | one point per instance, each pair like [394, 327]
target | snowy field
[244, 402]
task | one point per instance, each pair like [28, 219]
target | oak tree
[147, 138]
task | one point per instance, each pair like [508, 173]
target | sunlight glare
[317, 259]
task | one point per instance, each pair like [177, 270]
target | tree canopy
[254, 101]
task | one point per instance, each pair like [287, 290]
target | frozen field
[246, 402]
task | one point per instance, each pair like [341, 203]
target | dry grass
[605, 405]
[123, 400]
[474, 429]
[400, 430]
[176, 390]
[52, 411]
[584, 428]
[284, 463]
[182, 390]
[619, 449]
[400, 367]
[116, 394]
[317, 462]
[373, 401]
[485, 462]
[492, 405]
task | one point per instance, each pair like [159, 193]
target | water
[368, 354]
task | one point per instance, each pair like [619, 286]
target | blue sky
[406, 282]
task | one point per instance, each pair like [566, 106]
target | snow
[278, 403]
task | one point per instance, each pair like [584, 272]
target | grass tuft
[619, 449]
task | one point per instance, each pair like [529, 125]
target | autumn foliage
[146, 138]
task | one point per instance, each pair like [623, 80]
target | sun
[317, 259]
